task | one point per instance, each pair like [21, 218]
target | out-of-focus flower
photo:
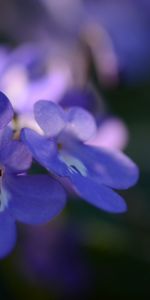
[126, 28]
[102, 51]
[55, 260]
[111, 134]
[91, 171]
[115, 33]
[24, 78]
[29, 199]
[28, 74]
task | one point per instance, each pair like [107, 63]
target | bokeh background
[82, 50]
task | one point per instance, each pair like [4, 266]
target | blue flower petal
[113, 169]
[6, 111]
[50, 117]
[80, 123]
[44, 151]
[16, 156]
[7, 234]
[34, 199]
[5, 136]
[98, 195]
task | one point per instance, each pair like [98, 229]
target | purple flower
[93, 172]
[29, 199]
[23, 77]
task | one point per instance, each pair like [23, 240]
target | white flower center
[74, 164]
[4, 197]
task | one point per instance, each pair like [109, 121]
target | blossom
[93, 172]
[29, 73]
[31, 199]
[23, 76]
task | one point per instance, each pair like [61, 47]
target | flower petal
[5, 136]
[50, 117]
[7, 234]
[16, 156]
[111, 168]
[111, 134]
[80, 123]
[6, 110]
[44, 151]
[34, 199]
[98, 195]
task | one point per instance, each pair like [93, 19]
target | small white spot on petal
[74, 164]
[4, 198]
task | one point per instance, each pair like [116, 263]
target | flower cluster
[31, 199]
[62, 149]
